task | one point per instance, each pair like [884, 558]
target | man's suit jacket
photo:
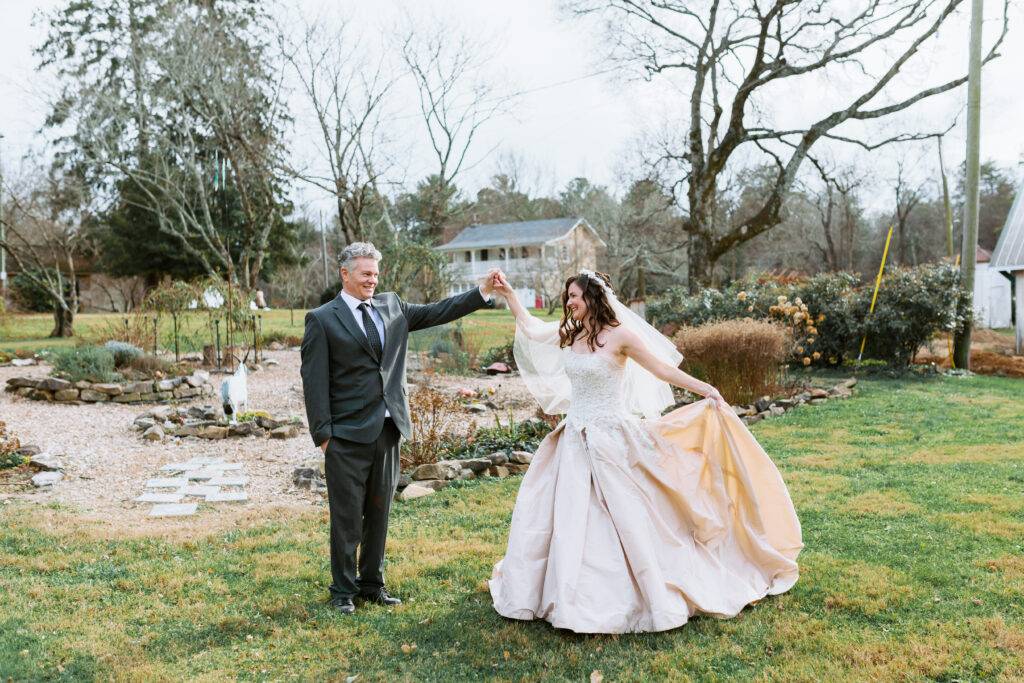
[346, 386]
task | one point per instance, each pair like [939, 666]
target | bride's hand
[716, 398]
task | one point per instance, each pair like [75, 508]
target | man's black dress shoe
[343, 605]
[381, 597]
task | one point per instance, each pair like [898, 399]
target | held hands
[500, 285]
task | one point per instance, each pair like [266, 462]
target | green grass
[910, 496]
[486, 328]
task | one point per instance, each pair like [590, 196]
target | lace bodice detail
[596, 388]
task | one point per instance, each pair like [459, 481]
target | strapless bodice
[596, 383]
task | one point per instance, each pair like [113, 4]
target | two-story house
[537, 256]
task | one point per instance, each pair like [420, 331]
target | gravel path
[107, 464]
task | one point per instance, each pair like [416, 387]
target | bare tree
[840, 215]
[455, 102]
[736, 55]
[346, 94]
[44, 238]
[909, 195]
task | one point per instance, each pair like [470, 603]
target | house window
[483, 254]
[526, 252]
[501, 254]
[469, 256]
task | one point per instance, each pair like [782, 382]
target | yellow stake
[874, 297]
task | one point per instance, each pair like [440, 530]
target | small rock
[466, 474]
[45, 461]
[521, 457]
[166, 385]
[161, 413]
[22, 362]
[414, 491]
[213, 432]
[785, 403]
[92, 396]
[127, 398]
[465, 392]
[271, 362]
[435, 470]
[497, 368]
[242, 429]
[144, 423]
[66, 395]
[817, 401]
[108, 388]
[154, 433]
[476, 407]
[776, 410]
[29, 450]
[761, 404]
[818, 393]
[751, 419]
[498, 471]
[477, 465]
[435, 484]
[498, 458]
[44, 479]
[54, 384]
[284, 432]
[19, 382]
[517, 469]
[403, 481]
[849, 383]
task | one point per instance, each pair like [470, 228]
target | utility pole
[3, 233]
[323, 251]
[969, 245]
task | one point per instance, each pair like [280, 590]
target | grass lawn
[910, 495]
[485, 328]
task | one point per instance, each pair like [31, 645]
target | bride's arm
[523, 317]
[634, 347]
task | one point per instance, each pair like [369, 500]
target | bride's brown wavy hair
[599, 311]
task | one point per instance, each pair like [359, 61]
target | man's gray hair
[356, 250]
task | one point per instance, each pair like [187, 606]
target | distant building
[537, 256]
[1008, 258]
[991, 293]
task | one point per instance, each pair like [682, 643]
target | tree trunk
[63, 322]
[699, 265]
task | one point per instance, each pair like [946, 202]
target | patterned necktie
[371, 330]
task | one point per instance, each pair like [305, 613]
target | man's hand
[501, 285]
[323, 446]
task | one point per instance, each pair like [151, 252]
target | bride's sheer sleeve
[541, 363]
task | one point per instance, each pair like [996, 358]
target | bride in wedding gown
[627, 520]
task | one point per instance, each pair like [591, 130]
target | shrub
[435, 418]
[9, 446]
[84, 363]
[742, 358]
[281, 337]
[499, 354]
[5, 357]
[512, 436]
[124, 353]
[253, 416]
[913, 305]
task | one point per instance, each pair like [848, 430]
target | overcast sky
[570, 122]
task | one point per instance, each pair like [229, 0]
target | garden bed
[209, 422]
[57, 390]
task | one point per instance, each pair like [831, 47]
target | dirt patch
[986, 522]
[992, 353]
[881, 503]
[810, 488]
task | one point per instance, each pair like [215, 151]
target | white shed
[992, 293]
[1008, 257]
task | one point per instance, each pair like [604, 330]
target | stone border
[58, 390]
[765, 408]
[208, 422]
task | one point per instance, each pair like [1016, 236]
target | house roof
[1009, 252]
[522, 233]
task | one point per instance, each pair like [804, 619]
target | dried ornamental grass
[742, 358]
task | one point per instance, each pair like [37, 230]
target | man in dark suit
[353, 381]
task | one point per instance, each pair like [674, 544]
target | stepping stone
[205, 461]
[230, 466]
[180, 467]
[228, 497]
[204, 474]
[174, 510]
[198, 490]
[169, 483]
[159, 498]
[228, 481]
